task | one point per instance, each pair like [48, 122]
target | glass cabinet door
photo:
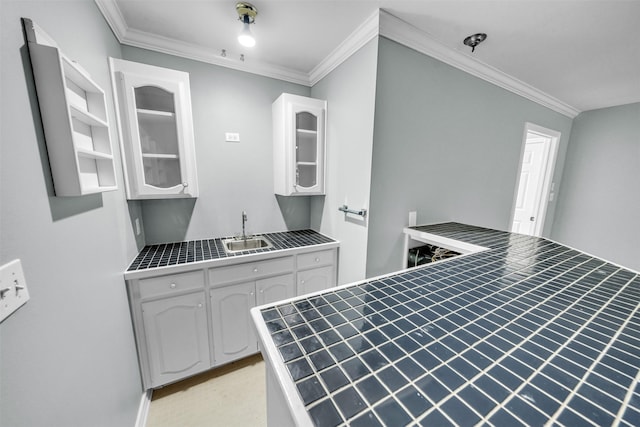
[306, 149]
[156, 115]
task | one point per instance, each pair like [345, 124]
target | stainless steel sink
[239, 244]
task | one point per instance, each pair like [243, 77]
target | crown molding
[406, 34]
[379, 23]
[358, 38]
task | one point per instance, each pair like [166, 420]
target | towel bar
[345, 209]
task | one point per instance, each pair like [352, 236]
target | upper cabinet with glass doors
[156, 126]
[299, 145]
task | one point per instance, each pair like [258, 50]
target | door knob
[533, 218]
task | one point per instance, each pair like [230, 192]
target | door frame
[547, 177]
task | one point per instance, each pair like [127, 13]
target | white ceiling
[583, 53]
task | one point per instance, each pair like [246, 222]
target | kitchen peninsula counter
[526, 332]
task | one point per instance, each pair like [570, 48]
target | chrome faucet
[244, 219]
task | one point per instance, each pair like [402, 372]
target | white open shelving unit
[74, 117]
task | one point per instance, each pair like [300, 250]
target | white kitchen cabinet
[177, 337]
[316, 271]
[299, 145]
[156, 126]
[74, 118]
[233, 333]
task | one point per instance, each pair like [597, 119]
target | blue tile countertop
[171, 254]
[529, 332]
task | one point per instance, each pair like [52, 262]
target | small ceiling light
[247, 14]
[475, 40]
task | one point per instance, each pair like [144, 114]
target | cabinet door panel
[177, 337]
[232, 329]
[314, 280]
[275, 289]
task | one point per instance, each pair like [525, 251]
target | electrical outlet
[232, 137]
[412, 218]
[13, 288]
[137, 222]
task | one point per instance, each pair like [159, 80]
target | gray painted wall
[446, 144]
[232, 176]
[350, 94]
[68, 356]
[599, 202]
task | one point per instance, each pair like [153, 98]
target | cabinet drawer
[315, 259]
[165, 285]
[250, 270]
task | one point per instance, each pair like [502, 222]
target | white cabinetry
[191, 321]
[74, 117]
[316, 271]
[299, 145]
[156, 125]
[233, 334]
[170, 321]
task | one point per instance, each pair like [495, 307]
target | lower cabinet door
[275, 289]
[233, 335]
[177, 337]
[316, 279]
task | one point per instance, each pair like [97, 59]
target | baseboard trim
[143, 410]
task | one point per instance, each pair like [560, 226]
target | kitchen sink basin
[250, 243]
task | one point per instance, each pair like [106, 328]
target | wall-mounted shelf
[74, 117]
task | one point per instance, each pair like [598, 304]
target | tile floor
[233, 395]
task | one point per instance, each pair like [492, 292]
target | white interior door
[527, 213]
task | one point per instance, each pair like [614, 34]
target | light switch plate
[412, 218]
[13, 288]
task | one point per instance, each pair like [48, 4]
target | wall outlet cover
[232, 137]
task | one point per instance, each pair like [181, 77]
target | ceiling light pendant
[247, 14]
[474, 40]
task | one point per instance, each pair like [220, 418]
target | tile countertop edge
[220, 262]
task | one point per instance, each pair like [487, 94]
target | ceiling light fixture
[247, 14]
[475, 40]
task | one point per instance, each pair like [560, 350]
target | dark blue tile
[436, 418]
[407, 344]
[391, 331]
[362, 325]
[302, 331]
[349, 402]
[594, 395]
[607, 385]
[326, 310]
[374, 359]
[525, 411]
[454, 344]
[287, 309]
[276, 325]
[431, 387]
[414, 401]
[335, 319]
[319, 325]
[310, 390]
[391, 413]
[355, 368]
[569, 418]
[311, 344]
[329, 337]
[325, 414]
[541, 399]
[299, 369]
[464, 368]
[459, 412]
[351, 314]
[409, 368]
[376, 337]
[631, 416]
[334, 378]
[392, 351]
[392, 378]
[303, 305]
[503, 418]
[290, 352]
[441, 352]
[368, 419]
[282, 337]
[346, 330]
[448, 377]
[560, 376]
[321, 360]
[372, 389]
[271, 314]
[310, 314]
[516, 367]
[492, 388]
[341, 351]
[591, 411]
[477, 400]
[505, 377]
[426, 359]
[359, 344]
